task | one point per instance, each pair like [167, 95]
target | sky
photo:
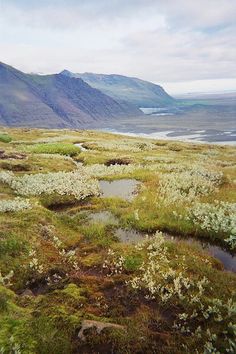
[185, 45]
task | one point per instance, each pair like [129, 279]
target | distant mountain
[54, 101]
[138, 92]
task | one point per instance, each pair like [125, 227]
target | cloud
[71, 13]
[200, 14]
[158, 40]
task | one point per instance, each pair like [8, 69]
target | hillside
[139, 92]
[54, 101]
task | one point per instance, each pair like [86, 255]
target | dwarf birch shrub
[159, 278]
[98, 170]
[181, 187]
[55, 139]
[125, 145]
[203, 315]
[113, 264]
[64, 183]
[16, 204]
[76, 183]
[6, 177]
[218, 219]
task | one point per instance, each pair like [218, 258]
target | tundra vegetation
[69, 285]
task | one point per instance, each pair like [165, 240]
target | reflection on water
[80, 145]
[229, 261]
[105, 217]
[123, 188]
[129, 235]
[226, 258]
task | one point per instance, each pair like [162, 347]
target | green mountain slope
[139, 92]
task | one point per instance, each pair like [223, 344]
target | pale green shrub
[182, 187]
[77, 184]
[218, 218]
[16, 204]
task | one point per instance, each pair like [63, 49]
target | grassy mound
[55, 148]
[5, 138]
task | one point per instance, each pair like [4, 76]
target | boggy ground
[62, 268]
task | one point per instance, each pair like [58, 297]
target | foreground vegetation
[69, 285]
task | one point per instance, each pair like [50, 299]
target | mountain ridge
[54, 100]
[124, 88]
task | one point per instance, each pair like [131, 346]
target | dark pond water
[123, 188]
[228, 260]
[129, 236]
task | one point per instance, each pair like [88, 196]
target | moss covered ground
[59, 269]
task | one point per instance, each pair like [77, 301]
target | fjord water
[205, 120]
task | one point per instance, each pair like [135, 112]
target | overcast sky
[186, 45]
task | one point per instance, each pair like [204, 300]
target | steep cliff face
[19, 104]
[52, 101]
[138, 92]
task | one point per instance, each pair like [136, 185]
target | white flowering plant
[160, 280]
[217, 219]
[14, 205]
[77, 184]
[186, 187]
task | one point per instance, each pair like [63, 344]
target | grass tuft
[55, 148]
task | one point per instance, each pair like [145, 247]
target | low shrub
[118, 161]
[77, 184]
[55, 148]
[13, 205]
[5, 138]
[11, 245]
[18, 167]
[132, 262]
[97, 233]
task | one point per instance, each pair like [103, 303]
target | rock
[100, 326]
[17, 156]
[27, 292]
[12, 155]
[118, 161]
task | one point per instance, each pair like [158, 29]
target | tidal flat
[116, 244]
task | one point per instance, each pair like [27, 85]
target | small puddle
[229, 261]
[122, 188]
[226, 258]
[80, 145]
[103, 217]
[129, 236]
